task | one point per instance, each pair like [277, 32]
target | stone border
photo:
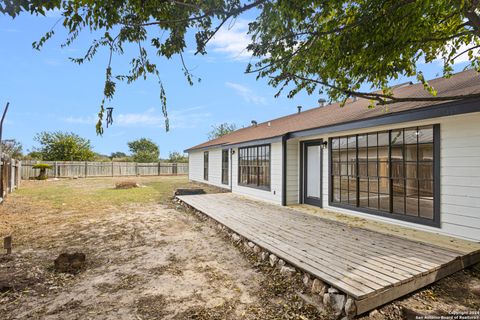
[342, 306]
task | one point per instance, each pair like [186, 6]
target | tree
[330, 47]
[63, 146]
[177, 157]
[144, 150]
[118, 154]
[12, 148]
[221, 130]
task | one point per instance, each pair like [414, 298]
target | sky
[47, 92]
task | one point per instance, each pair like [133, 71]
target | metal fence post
[55, 168]
[86, 169]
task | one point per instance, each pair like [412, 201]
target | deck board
[362, 263]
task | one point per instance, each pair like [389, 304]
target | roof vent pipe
[299, 108]
[321, 102]
[254, 123]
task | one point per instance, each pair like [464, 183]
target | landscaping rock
[264, 256]
[235, 237]
[334, 301]
[286, 270]
[273, 260]
[70, 262]
[307, 280]
[257, 249]
[350, 308]
[332, 290]
[251, 244]
[280, 263]
[318, 286]
[188, 191]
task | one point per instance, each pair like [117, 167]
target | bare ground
[144, 260]
[147, 259]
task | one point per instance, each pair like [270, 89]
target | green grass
[100, 192]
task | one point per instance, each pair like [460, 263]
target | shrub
[43, 170]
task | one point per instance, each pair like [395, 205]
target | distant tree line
[68, 146]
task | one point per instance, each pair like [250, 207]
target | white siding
[293, 171]
[275, 193]
[214, 167]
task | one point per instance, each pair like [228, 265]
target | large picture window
[205, 165]
[387, 172]
[225, 166]
[254, 166]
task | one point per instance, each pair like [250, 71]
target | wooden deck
[371, 267]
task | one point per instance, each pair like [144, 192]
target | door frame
[303, 172]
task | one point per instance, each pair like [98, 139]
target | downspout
[285, 137]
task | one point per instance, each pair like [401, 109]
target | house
[415, 164]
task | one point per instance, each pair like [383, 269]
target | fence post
[112, 168]
[174, 169]
[86, 169]
[136, 168]
[55, 168]
[159, 167]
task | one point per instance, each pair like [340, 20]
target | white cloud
[81, 120]
[186, 118]
[232, 40]
[246, 93]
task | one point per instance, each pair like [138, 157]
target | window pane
[411, 170]
[362, 169]
[336, 182]
[384, 185]
[372, 153]
[383, 169]
[336, 169]
[425, 152]
[426, 208]
[425, 188]
[343, 155]
[352, 142]
[335, 155]
[397, 169]
[412, 207]
[411, 187]
[363, 184]
[383, 139]
[411, 152]
[425, 134]
[384, 202]
[383, 153]
[373, 184]
[372, 169]
[411, 136]
[425, 170]
[335, 143]
[397, 137]
[373, 200]
[399, 205]
[336, 195]
[397, 152]
[362, 140]
[343, 143]
[372, 139]
[363, 201]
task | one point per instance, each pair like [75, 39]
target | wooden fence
[10, 173]
[85, 169]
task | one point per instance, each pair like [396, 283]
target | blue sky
[47, 92]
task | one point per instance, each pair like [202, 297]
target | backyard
[147, 258]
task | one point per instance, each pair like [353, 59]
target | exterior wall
[275, 193]
[195, 173]
[459, 177]
[293, 171]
